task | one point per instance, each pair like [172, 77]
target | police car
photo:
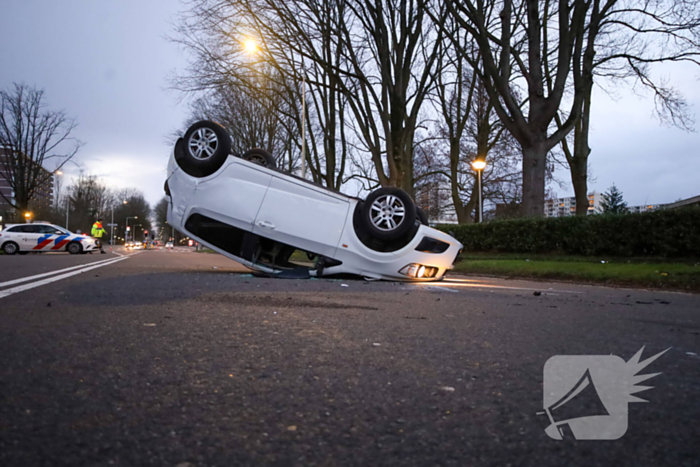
[25, 238]
[245, 208]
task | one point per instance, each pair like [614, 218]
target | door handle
[266, 224]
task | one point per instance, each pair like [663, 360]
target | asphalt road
[185, 359]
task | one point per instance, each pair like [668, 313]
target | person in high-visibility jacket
[98, 232]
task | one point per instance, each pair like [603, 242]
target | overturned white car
[246, 209]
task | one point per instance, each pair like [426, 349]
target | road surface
[186, 359]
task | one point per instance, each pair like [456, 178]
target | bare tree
[30, 134]
[272, 77]
[623, 39]
[379, 54]
[513, 53]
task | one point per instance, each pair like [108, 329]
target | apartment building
[43, 195]
[564, 207]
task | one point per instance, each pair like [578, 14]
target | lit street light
[250, 46]
[479, 166]
[127, 225]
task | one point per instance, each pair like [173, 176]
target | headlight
[419, 271]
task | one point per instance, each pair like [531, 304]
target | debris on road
[447, 389]
[344, 285]
[537, 294]
[149, 324]
[376, 344]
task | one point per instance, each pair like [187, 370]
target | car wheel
[203, 149]
[260, 157]
[388, 213]
[421, 217]
[74, 248]
[10, 248]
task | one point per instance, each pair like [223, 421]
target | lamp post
[111, 244]
[479, 166]
[127, 226]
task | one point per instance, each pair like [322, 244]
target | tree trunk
[579, 179]
[464, 211]
[579, 162]
[534, 170]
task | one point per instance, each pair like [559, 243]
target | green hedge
[667, 233]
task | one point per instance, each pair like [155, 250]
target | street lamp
[27, 216]
[127, 225]
[111, 244]
[250, 46]
[479, 166]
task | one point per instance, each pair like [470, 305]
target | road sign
[112, 225]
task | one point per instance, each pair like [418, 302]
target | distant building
[43, 195]
[564, 207]
[646, 208]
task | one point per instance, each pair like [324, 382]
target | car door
[234, 196]
[300, 214]
[30, 237]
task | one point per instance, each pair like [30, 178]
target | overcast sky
[107, 65]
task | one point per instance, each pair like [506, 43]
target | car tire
[388, 213]
[421, 217]
[203, 149]
[260, 157]
[10, 248]
[74, 248]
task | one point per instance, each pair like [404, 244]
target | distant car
[26, 238]
[169, 245]
[246, 209]
[128, 245]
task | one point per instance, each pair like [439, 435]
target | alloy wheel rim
[387, 213]
[260, 160]
[203, 143]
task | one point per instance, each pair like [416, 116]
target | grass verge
[649, 273]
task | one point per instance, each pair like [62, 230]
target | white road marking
[22, 288]
[50, 273]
